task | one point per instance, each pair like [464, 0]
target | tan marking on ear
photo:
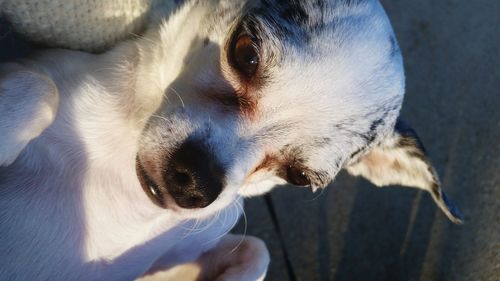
[401, 160]
[397, 166]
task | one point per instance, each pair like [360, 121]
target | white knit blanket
[90, 25]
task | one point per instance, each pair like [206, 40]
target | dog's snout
[193, 176]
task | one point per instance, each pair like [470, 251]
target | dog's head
[250, 95]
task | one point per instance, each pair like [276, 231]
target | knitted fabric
[90, 25]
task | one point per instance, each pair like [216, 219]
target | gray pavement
[355, 231]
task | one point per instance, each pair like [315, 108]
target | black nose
[193, 176]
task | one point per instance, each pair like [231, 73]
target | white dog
[117, 165]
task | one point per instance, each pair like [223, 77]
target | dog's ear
[401, 159]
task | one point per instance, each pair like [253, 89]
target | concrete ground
[354, 231]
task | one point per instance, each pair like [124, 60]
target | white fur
[29, 101]
[72, 207]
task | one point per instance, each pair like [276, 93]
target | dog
[119, 165]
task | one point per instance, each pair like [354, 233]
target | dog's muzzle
[191, 176]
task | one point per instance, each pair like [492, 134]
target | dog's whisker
[105, 69]
[178, 95]
[244, 228]
[142, 37]
[224, 233]
[160, 117]
[165, 96]
[188, 229]
[317, 196]
[192, 230]
[197, 229]
[197, 226]
[225, 219]
[212, 221]
[135, 35]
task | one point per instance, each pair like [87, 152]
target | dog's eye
[245, 55]
[155, 191]
[297, 176]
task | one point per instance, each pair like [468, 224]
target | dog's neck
[91, 136]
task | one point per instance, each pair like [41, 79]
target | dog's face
[269, 93]
[263, 93]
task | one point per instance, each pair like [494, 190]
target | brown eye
[245, 55]
[296, 176]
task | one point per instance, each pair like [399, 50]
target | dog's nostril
[182, 178]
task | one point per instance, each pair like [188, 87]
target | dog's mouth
[150, 187]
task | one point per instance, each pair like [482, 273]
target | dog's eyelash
[234, 100]
[229, 100]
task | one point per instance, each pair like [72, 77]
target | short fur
[76, 126]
